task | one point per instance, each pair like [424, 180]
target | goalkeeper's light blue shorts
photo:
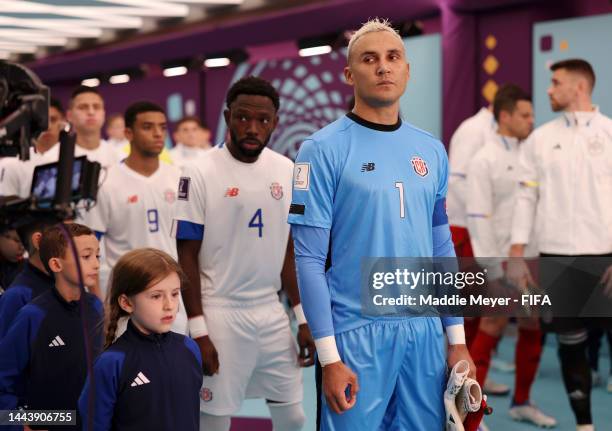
[401, 367]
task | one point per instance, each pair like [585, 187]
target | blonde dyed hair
[372, 26]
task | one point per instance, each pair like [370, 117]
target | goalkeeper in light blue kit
[370, 185]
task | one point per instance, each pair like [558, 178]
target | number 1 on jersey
[400, 186]
[257, 222]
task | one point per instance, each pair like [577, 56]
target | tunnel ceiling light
[217, 62]
[315, 50]
[90, 82]
[119, 79]
[175, 71]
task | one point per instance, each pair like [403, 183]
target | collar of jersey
[135, 174]
[509, 142]
[70, 305]
[228, 155]
[189, 151]
[375, 126]
[133, 331]
[580, 118]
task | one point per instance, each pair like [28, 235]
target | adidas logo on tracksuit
[140, 380]
[57, 341]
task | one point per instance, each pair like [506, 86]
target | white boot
[469, 398]
[493, 388]
[457, 377]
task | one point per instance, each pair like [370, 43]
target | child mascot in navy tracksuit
[45, 353]
[149, 378]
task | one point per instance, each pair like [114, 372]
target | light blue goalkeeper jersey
[379, 189]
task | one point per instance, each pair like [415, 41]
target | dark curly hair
[253, 86]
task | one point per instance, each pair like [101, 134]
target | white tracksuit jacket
[565, 172]
[492, 186]
[465, 143]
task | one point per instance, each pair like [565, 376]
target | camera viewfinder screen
[45, 180]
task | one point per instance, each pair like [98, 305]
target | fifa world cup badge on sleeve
[183, 188]
[301, 176]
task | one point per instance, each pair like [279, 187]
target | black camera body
[56, 187]
[24, 109]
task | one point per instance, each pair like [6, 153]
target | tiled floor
[548, 393]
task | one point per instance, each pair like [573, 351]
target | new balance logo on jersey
[368, 167]
[132, 199]
[140, 380]
[57, 341]
[232, 192]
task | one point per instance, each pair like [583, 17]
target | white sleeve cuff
[520, 235]
[327, 350]
[197, 327]
[455, 334]
[299, 315]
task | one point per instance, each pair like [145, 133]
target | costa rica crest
[420, 166]
[276, 190]
[206, 394]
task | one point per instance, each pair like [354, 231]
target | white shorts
[258, 358]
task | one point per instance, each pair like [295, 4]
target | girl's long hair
[135, 272]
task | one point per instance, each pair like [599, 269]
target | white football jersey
[135, 211]
[242, 209]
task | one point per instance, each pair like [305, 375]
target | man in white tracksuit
[565, 172]
[492, 184]
[469, 137]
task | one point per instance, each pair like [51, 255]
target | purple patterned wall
[512, 31]
[312, 90]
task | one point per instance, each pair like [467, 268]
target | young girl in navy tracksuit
[149, 378]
